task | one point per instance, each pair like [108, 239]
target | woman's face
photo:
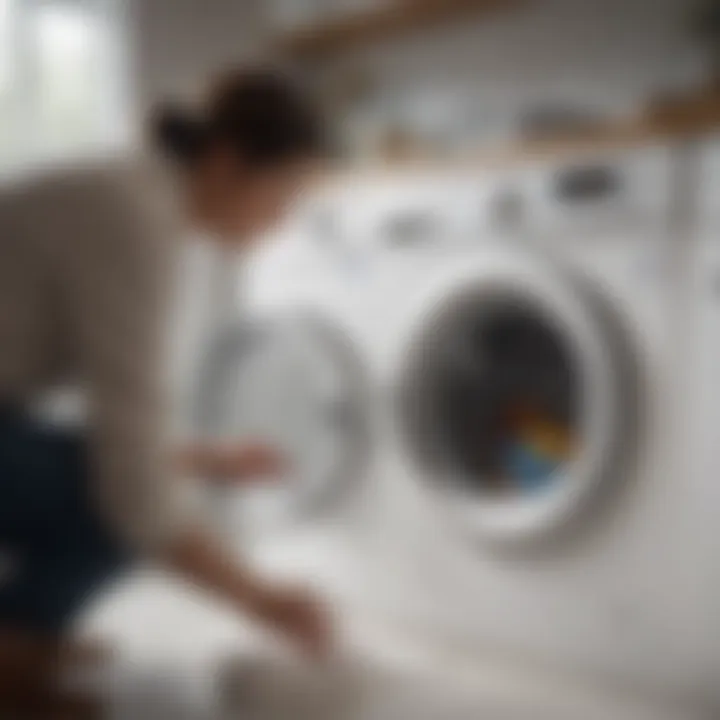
[239, 203]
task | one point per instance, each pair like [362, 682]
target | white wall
[178, 44]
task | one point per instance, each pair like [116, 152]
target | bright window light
[62, 86]
[69, 54]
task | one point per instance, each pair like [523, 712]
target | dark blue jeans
[59, 552]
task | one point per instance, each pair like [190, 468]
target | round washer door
[297, 385]
[518, 396]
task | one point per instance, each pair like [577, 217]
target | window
[6, 76]
[61, 78]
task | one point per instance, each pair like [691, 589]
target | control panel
[598, 192]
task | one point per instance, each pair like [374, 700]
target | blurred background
[589, 129]
[421, 77]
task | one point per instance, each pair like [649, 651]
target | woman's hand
[233, 463]
[239, 463]
[298, 616]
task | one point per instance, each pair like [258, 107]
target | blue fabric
[60, 553]
[531, 471]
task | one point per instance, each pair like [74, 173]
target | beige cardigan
[86, 257]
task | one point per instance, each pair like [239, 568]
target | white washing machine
[534, 433]
[503, 354]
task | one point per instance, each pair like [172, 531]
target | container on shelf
[351, 8]
[288, 15]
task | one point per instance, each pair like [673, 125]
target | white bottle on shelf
[293, 14]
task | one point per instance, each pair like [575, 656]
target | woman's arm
[234, 463]
[295, 614]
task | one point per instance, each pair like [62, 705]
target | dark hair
[261, 115]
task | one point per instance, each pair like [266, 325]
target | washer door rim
[358, 458]
[604, 359]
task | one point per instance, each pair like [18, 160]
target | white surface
[699, 421]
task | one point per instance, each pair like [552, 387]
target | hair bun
[178, 134]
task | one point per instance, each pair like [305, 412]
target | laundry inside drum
[500, 398]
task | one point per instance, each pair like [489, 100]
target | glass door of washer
[297, 385]
[518, 402]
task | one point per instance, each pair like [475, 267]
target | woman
[85, 256]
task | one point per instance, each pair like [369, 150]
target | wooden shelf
[684, 121]
[683, 118]
[397, 18]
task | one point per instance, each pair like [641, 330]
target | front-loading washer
[533, 469]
